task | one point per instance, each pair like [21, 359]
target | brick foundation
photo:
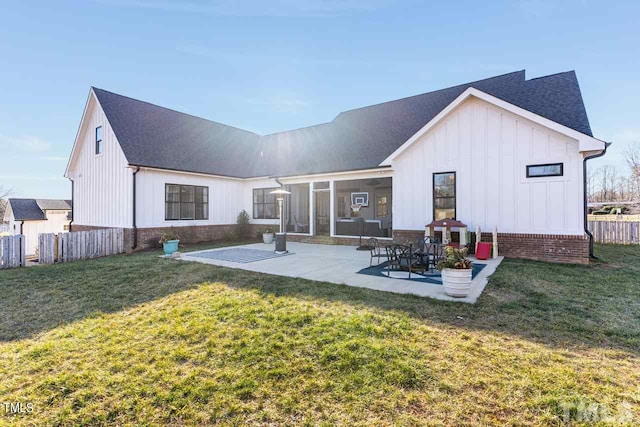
[325, 240]
[540, 247]
[149, 237]
[543, 247]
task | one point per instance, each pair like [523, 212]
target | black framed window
[444, 195]
[99, 140]
[548, 169]
[185, 202]
[264, 204]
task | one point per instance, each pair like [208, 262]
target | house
[502, 152]
[34, 216]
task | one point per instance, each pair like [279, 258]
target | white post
[463, 236]
[495, 242]
[478, 237]
[312, 209]
[280, 199]
[427, 231]
[332, 208]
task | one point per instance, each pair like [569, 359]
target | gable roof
[53, 204]
[155, 136]
[357, 139]
[33, 209]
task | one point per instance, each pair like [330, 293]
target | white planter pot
[267, 238]
[457, 282]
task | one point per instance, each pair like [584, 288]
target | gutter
[584, 186]
[135, 228]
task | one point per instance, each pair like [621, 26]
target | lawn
[135, 339]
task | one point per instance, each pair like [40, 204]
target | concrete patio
[339, 264]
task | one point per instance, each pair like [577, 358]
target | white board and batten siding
[55, 223]
[103, 183]
[489, 149]
[226, 198]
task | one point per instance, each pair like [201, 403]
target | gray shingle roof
[33, 209]
[159, 137]
[53, 204]
[357, 139]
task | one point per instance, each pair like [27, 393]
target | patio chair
[435, 254]
[402, 257]
[423, 243]
[376, 251]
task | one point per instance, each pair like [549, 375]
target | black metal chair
[393, 252]
[376, 251]
[402, 257]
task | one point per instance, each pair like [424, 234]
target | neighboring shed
[34, 216]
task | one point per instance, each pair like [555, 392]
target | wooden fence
[78, 245]
[621, 232]
[630, 218]
[12, 251]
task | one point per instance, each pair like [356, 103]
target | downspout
[135, 228]
[584, 185]
[72, 204]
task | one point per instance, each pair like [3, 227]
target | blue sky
[274, 65]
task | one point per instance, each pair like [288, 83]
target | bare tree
[592, 180]
[632, 156]
[4, 194]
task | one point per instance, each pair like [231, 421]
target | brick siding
[541, 247]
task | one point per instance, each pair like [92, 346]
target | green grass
[135, 339]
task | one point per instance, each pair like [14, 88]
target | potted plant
[456, 271]
[169, 241]
[267, 236]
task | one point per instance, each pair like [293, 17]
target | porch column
[332, 209]
[312, 209]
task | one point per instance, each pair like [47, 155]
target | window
[99, 140]
[444, 195]
[382, 209]
[550, 169]
[185, 202]
[264, 204]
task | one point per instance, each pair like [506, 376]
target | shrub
[169, 235]
[455, 258]
[242, 224]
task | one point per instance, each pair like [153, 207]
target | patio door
[322, 213]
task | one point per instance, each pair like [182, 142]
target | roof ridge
[175, 111]
[433, 91]
[551, 75]
[297, 129]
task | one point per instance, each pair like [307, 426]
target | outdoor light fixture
[281, 237]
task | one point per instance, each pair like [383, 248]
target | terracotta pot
[457, 282]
